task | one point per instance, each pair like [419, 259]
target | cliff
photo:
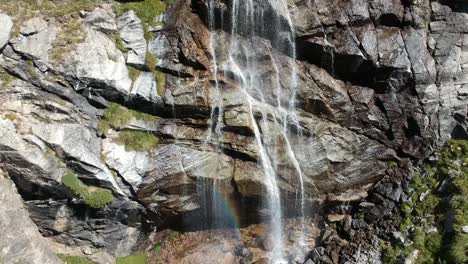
[118, 119]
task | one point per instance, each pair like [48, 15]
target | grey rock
[359, 224]
[146, 87]
[399, 237]
[115, 228]
[131, 165]
[98, 63]
[36, 40]
[7, 25]
[440, 11]
[25, 159]
[335, 217]
[374, 83]
[102, 19]
[34, 26]
[21, 241]
[422, 63]
[387, 13]
[133, 37]
[390, 191]
[81, 144]
[366, 205]
[392, 50]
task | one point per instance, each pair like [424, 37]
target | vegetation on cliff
[433, 216]
[146, 10]
[133, 259]
[5, 77]
[118, 117]
[149, 12]
[74, 259]
[23, 10]
[151, 63]
[94, 197]
[135, 140]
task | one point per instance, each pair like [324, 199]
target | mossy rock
[5, 77]
[134, 140]
[118, 117]
[133, 259]
[67, 259]
[146, 10]
[94, 197]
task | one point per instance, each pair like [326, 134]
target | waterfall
[246, 21]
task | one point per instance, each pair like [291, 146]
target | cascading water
[246, 21]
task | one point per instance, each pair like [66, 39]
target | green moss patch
[133, 259]
[94, 197]
[11, 117]
[119, 43]
[134, 140]
[160, 77]
[440, 200]
[24, 10]
[146, 10]
[133, 73]
[118, 117]
[161, 81]
[5, 77]
[67, 259]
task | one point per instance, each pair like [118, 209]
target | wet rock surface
[379, 82]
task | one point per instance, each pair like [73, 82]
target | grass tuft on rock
[11, 117]
[94, 197]
[67, 259]
[146, 10]
[133, 259]
[160, 77]
[118, 117]
[161, 81]
[5, 77]
[119, 43]
[67, 39]
[135, 140]
[24, 10]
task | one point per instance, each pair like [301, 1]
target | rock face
[377, 82]
[6, 29]
[133, 37]
[21, 241]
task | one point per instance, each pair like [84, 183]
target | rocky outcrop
[21, 241]
[375, 82]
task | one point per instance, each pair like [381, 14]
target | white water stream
[246, 18]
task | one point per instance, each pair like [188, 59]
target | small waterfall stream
[247, 20]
